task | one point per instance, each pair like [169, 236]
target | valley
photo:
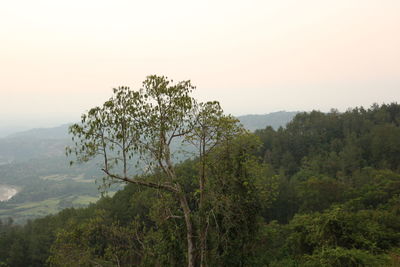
[36, 178]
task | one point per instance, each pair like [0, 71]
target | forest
[322, 191]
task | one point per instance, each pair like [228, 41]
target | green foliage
[235, 201]
[96, 242]
[340, 257]
[317, 194]
[338, 189]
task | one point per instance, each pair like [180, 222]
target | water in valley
[7, 192]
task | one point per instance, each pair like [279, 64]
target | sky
[59, 58]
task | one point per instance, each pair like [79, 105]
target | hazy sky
[59, 58]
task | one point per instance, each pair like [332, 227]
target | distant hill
[251, 122]
[59, 132]
[6, 130]
[275, 120]
[34, 144]
[22, 149]
[50, 142]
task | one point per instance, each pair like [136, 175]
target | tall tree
[140, 128]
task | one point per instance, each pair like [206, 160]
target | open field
[23, 211]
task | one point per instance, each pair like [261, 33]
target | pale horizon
[60, 58]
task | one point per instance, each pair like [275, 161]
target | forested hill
[336, 144]
[326, 194]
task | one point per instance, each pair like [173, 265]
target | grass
[61, 177]
[84, 200]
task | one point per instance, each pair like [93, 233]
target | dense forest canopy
[323, 191]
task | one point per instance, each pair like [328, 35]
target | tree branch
[166, 187]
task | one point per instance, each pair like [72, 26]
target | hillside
[34, 162]
[59, 132]
[328, 191]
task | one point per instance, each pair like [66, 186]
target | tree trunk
[202, 226]
[190, 234]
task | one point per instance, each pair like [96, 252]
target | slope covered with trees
[324, 191]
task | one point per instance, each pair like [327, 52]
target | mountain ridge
[251, 122]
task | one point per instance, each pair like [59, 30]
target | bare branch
[165, 187]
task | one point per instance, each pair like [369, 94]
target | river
[7, 192]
